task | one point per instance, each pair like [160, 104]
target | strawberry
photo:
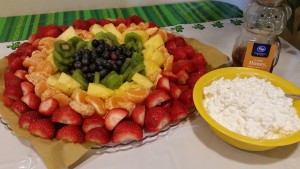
[178, 111]
[193, 78]
[105, 21]
[199, 61]
[22, 49]
[32, 100]
[81, 24]
[43, 128]
[48, 106]
[182, 77]
[16, 64]
[171, 46]
[114, 116]
[29, 117]
[98, 135]
[189, 50]
[179, 54]
[92, 21]
[19, 107]
[32, 38]
[152, 24]
[7, 101]
[167, 105]
[186, 98]
[43, 29]
[138, 114]
[183, 87]
[70, 133]
[13, 92]
[11, 79]
[174, 91]
[21, 74]
[62, 28]
[156, 118]
[170, 36]
[36, 42]
[53, 33]
[168, 74]
[27, 87]
[157, 97]
[92, 122]
[180, 42]
[120, 20]
[163, 84]
[126, 131]
[184, 64]
[134, 19]
[11, 57]
[29, 50]
[66, 115]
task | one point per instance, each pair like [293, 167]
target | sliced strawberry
[105, 21]
[193, 78]
[180, 42]
[179, 54]
[189, 50]
[156, 118]
[182, 77]
[48, 106]
[29, 50]
[120, 20]
[92, 21]
[167, 105]
[135, 19]
[11, 57]
[36, 42]
[170, 75]
[29, 117]
[19, 107]
[43, 128]
[81, 24]
[66, 115]
[53, 33]
[7, 101]
[98, 135]
[114, 116]
[27, 87]
[126, 131]
[183, 87]
[152, 24]
[63, 27]
[11, 79]
[32, 100]
[186, 98]
[13, 92]
[199, 61]
[42, 30]
[163, 84]
[70, 133]
[171, 46]
[22, 48]
[21, 74]
[92, 122]
[32, 38]
[16, 64]
[178, 111]
[138, 114]
[174, 91]
[171, 36]
[185, 64]
[156, 98]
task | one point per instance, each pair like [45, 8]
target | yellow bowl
[233, 138]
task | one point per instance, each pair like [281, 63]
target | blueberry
[85, 69]
[113, 48]
[77, 56]
[92, 67]
[90, 77]
[77, 64]
[85, 61]
[98, 61]
[94, 54]
[121, 57]
[108, 65]
[119, 62]
[86, 55]
[101, 42]
[106, 55]
[99, 50]
[103, 72]
[95, 43]
[127, 53]
[115, 67]
[99, 68]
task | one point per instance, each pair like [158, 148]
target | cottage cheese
[252, 107]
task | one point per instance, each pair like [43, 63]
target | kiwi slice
[61, 59]
[125, 65]
[137, 69]
[80, 45]
[79, 77]
[108, 37]
[133, 41]
[96, 77]
[60, 66]
[64, 48]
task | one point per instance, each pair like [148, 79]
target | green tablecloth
[20, 27]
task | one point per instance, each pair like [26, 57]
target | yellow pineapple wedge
[148, 52]
[99, 90]
[112, 29]
[143, 34]
[96, 28]
[142, 80]
[67, 34]
[158, 58]
[64, 83]
[156, 41]
[151, 67]
[50, 59]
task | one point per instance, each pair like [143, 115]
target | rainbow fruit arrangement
[101, 81]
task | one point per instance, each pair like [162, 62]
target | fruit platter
[104, 82]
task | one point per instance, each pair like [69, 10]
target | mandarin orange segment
[168, 65]
[85, 35]
[113, 102]
[49, 92]
[45, 67]
[152, 31]
[83, 109]
[79, 95]
[35, 77]
[136, 95]
[97, 103]
[121, 27]
[162, 33]
[40, 87]
[62, 99]
[46, 44]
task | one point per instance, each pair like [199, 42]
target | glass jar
[258, 45]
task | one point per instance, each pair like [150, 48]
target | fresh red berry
[48, 106]
[156, 118]
[13, 92]
[10, 79]
[163, 84]
[199, 61]
[114, 116]
[92, 122]
[179, 54]
[180, 42]
[178, 111]
[189, 50]
[43, 128]
[156, 98]
[21, 74]
[71, 133]
[7, 101]
[27, 87]
[32, 100]
[186, 98]
[174, 91]
[138, 114]
[81, 24]
[29, 117]
[126, 131]
[98, 135]
[66, 115]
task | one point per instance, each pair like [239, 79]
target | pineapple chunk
[68, 34]
[50, 59]
[99, 90]
[148, 52]
[121, 90]
[143, 34]
[64, 83]
[112, 29]
[151, 67]
[142, 80]
[158, 58]
[155, 41]
[94, 29]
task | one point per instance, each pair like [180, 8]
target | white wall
[25, 7]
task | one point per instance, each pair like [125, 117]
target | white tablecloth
[191, 145]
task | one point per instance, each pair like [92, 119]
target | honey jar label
[259, 56]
